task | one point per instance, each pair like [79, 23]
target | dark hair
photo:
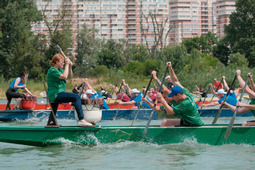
[22, 74]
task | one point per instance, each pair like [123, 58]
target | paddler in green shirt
[183, 104]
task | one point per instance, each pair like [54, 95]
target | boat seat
[52, 121]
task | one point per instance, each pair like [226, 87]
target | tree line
[206, 56]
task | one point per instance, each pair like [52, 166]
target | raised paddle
[118, 94]
[234, 116]
[116, 115]
[217, 89]
[141, 103]
[155, 104]
[80, 92]
[60, 50]
[218, 113]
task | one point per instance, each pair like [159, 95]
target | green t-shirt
[253, 102]
[55, 84]
[186, 110]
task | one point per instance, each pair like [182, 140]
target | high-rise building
[150, 22]
[224, 8]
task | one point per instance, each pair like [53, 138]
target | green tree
[191, 44]
[240, 33]
[108, 58]
[238, 60]
[135, 67]
[88, 48]
[16, 17]
[60, 33]
[222, 51]
[174, 54]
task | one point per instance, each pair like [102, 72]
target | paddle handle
[115, 117]
[140, 105]
[118, 94]
[218, 114]
[155, 104]
[234, 116]
[216, 89]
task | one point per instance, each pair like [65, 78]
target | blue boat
[224, 113]
[129, 114]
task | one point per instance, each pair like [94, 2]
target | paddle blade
[58, 48]
[234, 116]
[230, 126]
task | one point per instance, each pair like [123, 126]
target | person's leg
[249, 123]
[9, 99]
[12, 94]
[71, 97]
[171, 122]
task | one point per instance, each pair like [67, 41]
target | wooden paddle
[217, 89]
[60, 50]
[118, 94]
[218, 113]
[141, 103]
[234, 116]
[155, 104]
[115, 117]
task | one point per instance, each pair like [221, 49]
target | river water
[127, 155]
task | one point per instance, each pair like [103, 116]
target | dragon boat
[46, 136]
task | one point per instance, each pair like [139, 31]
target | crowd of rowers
[176, 100]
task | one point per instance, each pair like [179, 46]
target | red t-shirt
[153, 98]
[218, 84]
[125, 97]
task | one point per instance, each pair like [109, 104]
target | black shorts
[11, 93]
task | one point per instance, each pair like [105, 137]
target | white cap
[168, 77]
[89, 91]
[135, 91]
[221, 91]
[102, 91]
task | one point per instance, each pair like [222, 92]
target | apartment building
[223, 8]
[140, 21]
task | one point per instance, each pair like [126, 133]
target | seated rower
[221, 94]
[93, 94]
[217, 84]
[125, 98]
[201, 92]
[170, 84]
[184, 107]
[105, 94]
[76, 89]
[56, 80]
[244, 108]
[136, 98]
[17, 83]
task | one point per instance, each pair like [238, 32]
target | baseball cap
[175, 90]
[221, 91]
[89, 91]
[135, 91]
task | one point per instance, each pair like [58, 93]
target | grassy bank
[36, 87]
